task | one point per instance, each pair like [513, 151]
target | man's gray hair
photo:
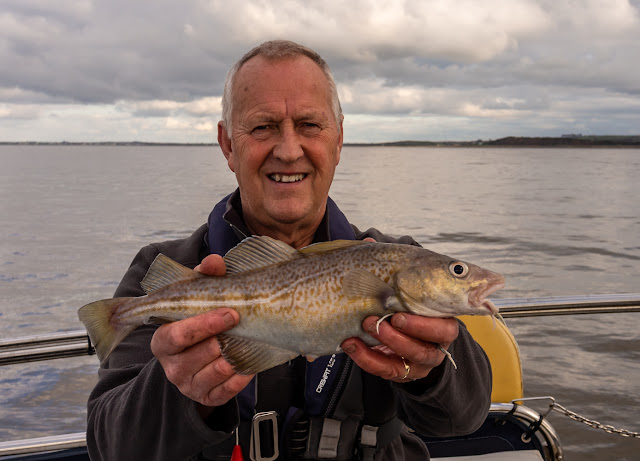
[274, 50]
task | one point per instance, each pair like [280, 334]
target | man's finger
[212, 375]
[212, 265]
[226, 390]
[434, 330]
[173, 338]
[372, 361]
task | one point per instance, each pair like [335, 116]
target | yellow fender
[502, 349]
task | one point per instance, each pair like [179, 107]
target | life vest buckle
[264, 436]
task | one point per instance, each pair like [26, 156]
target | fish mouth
[287, 178]
[478, 298]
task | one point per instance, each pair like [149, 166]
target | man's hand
[409, 346]
[409, 341]
[188, 351]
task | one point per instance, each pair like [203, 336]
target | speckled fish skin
[304, 301]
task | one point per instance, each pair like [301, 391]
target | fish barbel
[297, 302]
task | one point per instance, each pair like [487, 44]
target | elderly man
[166, 393]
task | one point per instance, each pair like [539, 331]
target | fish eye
[458, 269]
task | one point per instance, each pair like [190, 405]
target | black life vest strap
[341, 440]
[360, 424]
[373, 438]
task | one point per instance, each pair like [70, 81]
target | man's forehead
[260, 64]
[270, 87]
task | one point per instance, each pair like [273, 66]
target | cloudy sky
[153, 70]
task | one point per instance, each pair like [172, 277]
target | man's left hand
[408, 347]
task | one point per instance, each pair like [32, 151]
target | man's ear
[225, 144]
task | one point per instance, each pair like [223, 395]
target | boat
[511, 425]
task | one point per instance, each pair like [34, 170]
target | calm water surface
[553, 221]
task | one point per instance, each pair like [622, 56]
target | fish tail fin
[97, 318]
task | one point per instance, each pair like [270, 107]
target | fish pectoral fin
[165, 271]
[364, 285]
[248, 357]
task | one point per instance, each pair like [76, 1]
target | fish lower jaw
[478, 299]
[287, 178]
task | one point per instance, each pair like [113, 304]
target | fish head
[439, 286]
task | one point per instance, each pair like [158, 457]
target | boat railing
[43, 444]
[77, 343]
[569, 305]
[45, 347]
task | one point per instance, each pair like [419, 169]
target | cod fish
[297, 302]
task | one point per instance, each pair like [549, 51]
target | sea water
[553, 221]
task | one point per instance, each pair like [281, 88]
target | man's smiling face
[285, 143]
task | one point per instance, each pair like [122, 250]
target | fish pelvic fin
[249, 357]
[165, 271]
[97, 318]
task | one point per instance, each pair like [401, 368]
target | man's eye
[309, 126]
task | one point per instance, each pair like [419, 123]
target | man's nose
[288, 148]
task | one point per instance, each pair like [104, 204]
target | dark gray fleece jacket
[135, 413]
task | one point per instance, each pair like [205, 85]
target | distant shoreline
[510, 141]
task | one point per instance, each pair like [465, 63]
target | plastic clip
[264, 436]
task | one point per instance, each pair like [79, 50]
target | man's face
[285, 143]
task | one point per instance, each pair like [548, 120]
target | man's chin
[296, 212]
[289, 218]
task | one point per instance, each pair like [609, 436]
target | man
[166, 393]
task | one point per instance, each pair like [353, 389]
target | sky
[435, 70]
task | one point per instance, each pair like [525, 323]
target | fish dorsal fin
[165, 271]
[258, 252]
[362, 284]
[249, 357]
[325, 247]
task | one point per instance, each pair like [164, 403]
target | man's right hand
[188, 351]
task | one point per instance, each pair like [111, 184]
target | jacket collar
[227, 227]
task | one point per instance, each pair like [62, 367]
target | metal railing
[77, 343]
[45, 347]
[569, 305]
[43, 444]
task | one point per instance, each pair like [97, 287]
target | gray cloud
[500, 62]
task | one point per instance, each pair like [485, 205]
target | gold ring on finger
[407, 369]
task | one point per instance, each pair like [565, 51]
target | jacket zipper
[346, 369]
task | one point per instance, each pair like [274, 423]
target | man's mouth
[287, 177]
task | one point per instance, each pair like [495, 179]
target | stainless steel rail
[77, 343]
[43, 444]
[569, 305]
[45, 347]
